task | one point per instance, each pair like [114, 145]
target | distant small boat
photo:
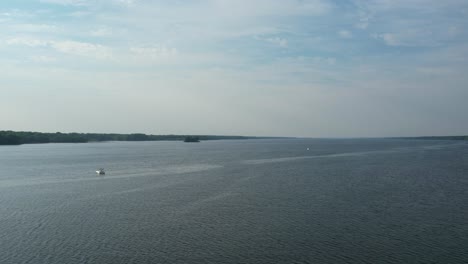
[101, 171]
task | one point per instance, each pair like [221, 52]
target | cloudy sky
[316, 68]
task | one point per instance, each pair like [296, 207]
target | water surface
[246, 201]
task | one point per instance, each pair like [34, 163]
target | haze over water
[253, 201]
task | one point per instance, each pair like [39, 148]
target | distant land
[21, 137]
[8, 137]
[438, 137]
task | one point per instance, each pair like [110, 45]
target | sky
[303, 68]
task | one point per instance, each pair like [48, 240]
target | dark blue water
[255, 201]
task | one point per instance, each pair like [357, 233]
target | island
[191, 139]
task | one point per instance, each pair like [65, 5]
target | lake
[236, 201]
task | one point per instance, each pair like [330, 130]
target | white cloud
[127, 2]
[389, 39]
[323, 60]
[102, 32]
[345, 34]
[154, 52]
[80, 14]
[34, 28]
[411, 38]
[43, 59]
[82, 49]
[281, 42]
[65, 46]
[411, 23]
[363, 18]
[67, 2]
[248, 8]
[89, 2]
[30, 42]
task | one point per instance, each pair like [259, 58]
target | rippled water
[254, 201]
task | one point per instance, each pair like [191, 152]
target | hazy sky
[241, 67]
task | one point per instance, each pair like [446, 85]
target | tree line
[20, 137]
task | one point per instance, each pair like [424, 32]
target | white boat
[101, 171]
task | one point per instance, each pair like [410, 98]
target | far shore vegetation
[18, 138]
[21, 137]
[191, 139]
